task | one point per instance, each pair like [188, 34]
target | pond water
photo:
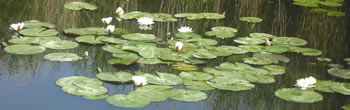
[27, 82]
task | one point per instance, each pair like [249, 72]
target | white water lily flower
[185, 29]
[107, 20]
[139, 80]
[119, 11]
[178, 46]
[110, 28]
[145, 23]
[17, 27]
[267, 42]
[305, 83]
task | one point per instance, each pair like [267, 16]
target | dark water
[28, 82]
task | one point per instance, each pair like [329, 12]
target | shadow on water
[28, 82]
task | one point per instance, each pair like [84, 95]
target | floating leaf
[130, 101]
[113, 49]
[155, 93]
[197, 85]
[238, 86]
[79, 6]
[330, 3]
[277, 49]
[37, 24]
[324, 86]
[149, 61]
[294, 95]
[86, 31]
[139, 37]
[262, 36]
[190, 95]
[90, 39]
[341, 73]
[163, 17]
[220, 34]
[148, 52]
[125, 61]
[289, 41]
[275, 58]
[96, 97]
[62, 57]
[113, 40]
[346, 107]
[196, 75]
[59, 44]
[259, 78]
[163, 79]
[136, 15]
[24, 49]
[190, 16]
[257, 60]
[33, 40]
[347, 59]
[204, 55]
[187, 35]
[251, 19]
[335, 13]
[249, 40]
[67, 81]
[274, 69]
[335, 65]
[231, 49]
[114, 76]
[84, 89]
[253, 48]
[318, 10]
[343, 88]
[224, 28]
[325, 59]
[306, 3]
[38, 32]
[171, 57]
[212, 15]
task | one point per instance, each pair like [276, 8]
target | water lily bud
[107, 20]
[178, 46]
[110, 28]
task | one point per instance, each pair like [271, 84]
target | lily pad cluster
[333, 87]
[83, 86]
[161, 17]
[198, 16]
[316, 3]
[222, 32]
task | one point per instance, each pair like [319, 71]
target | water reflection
[20, 73]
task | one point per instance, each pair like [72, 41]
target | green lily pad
[86, 31]
[197, 85]
[37, 24]
[24, 49]
[347, 59]
[289, 41]
[325, 59]
[259, 78]
[249, 40]
[130, 101]
[68, 81]
[171, 57]
[38, 32]
[113, 40]
[277, 49]
[306, 3]
[335, 13]
[257, 60]
[124, 61]
[163, 17]
[253, 48]
[203, 42]
[139, 37]
[149, 61]
[319, 10]
[346, 107]
[341, 73]
[251, 19]
[62, 57]
[33, 40]
[275, 58]
[212, 15]
[59, 44]
[294, 95]
[136, 15]
[148, 52]
[324, 86]
[224, 28]
[231, 50]
[185, 67]
[84, 89]
[163, 79]
[114, 76]
[195, 75]
[238, 86]
[343, 88]
[204, 55]
[113, 49]
[155, 93]
[262, 36]
[330, 3]
[332, 65]
[190, 95]
[79, 6]
[190, 16]
[274, 69]
[90, 39]
[187, 35]
[220, 34]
